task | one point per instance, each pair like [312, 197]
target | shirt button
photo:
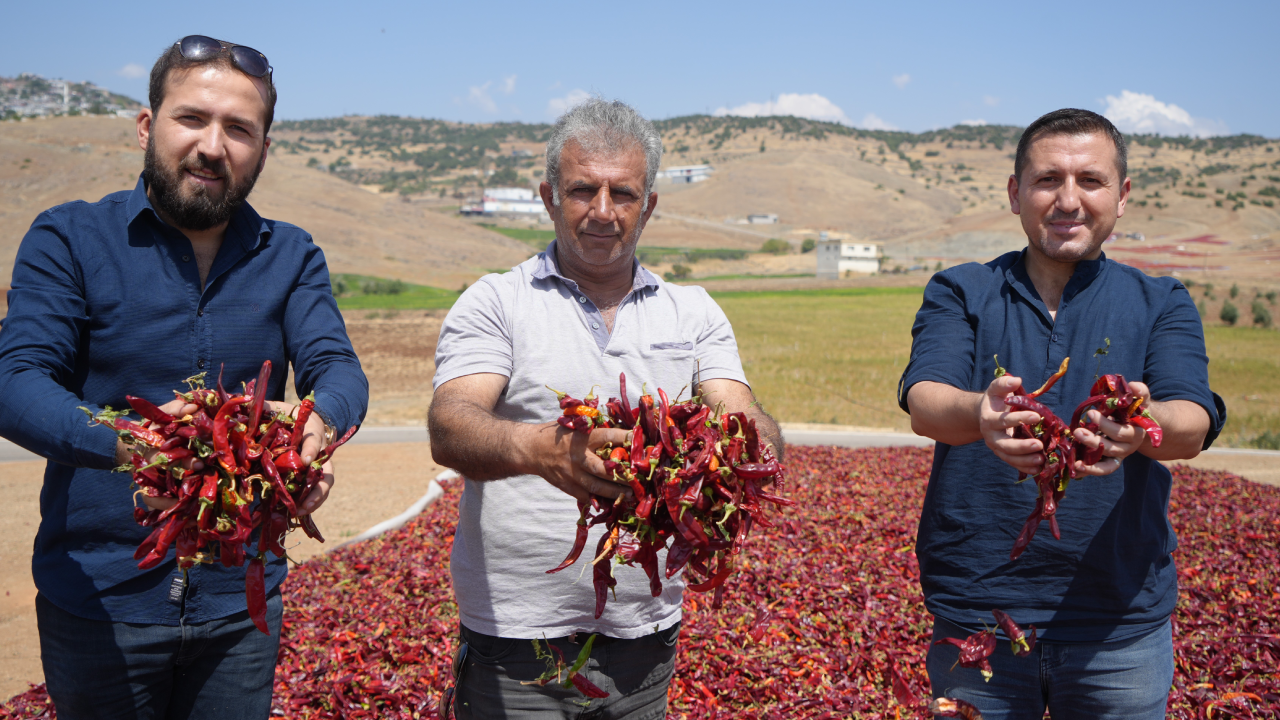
[582, 298]
[200, 312]
[595, 326]
[200, 364]
[186, 258]
[1054, 337]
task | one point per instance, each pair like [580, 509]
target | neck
[606, 285]
[1049, 276]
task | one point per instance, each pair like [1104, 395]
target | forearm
[1184, 425]
[479, 444]
[944, 413]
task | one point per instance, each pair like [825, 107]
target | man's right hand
[997, 420]
[567, 459]
[176, 407]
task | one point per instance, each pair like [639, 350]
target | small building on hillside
[685, 174]
[511, 201]
[837, 257]
[762, 219]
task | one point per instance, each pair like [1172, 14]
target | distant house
[762, 219]
[685, 174]
[837, 257]
[511, 201]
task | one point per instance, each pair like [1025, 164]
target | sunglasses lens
[249, 60]
[459, 659]
[199, 47]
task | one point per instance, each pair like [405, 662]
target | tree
[1261, 315]
[680, 272]
[1229, 313]
[808, 245]
[776, 247]
[1235, 290]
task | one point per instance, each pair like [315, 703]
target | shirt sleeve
[39, 349]
[1176, 365]
[942, 339]
[717, 348]
[320, 351]
[475, 336]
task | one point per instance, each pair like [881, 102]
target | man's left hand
[1118, 441]
[312, 437]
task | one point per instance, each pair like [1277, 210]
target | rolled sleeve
[942, 346]
[717, 347]
[475, 336]
[38, 354]
[1177, 365]
[323, 359]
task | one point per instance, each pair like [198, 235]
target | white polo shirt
[535, 327]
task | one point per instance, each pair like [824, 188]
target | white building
[837, 257]
[762, 219]
[511, 201]
[685, 174]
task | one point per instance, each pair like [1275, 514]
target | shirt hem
[524, 632]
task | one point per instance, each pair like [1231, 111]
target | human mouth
[204, 177]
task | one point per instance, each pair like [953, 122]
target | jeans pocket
[486, 648]
[670, 636]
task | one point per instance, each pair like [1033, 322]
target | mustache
[201, 163]
[1079, 217]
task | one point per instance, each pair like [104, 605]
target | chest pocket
[670, 345]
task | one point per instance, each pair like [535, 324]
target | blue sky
[1174, 67]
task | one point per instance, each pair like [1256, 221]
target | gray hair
[598, 124]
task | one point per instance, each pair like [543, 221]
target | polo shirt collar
[246, 228]
[548, 267]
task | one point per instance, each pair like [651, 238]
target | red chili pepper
[259, 397]
[255, 593]
[282, 492]
[1022, 646]
[974, 651]
[148, 410]
[579, 541]
[221, 433]
[586, 687]
[951, 707]
[300, 423]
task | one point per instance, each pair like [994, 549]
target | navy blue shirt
[1111, 576]
[106, 301]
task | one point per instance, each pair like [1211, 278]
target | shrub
[680, 272]
[1261, 315]
[1271, 297]
[383, 287]
[1201, 309]
[1235, 291]
[776, 246]
[339, 286]
[1229, 314]
[808, 245]
[1266, 441]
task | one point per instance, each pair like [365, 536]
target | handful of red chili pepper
[698, 477]
[253, 478]
[1111, 396]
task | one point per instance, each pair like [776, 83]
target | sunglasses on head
[203, 47]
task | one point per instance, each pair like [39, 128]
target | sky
[1176, 68]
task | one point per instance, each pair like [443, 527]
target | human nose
[602, 208]
[213, 142]
[1068, 200]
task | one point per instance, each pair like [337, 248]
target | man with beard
[130, 295]
[1100, 597]
[573, 316]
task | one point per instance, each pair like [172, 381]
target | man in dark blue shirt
[130, 295]
[1102, 596]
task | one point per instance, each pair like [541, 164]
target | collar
[548, 267]
[1082, 277]
[246, 228]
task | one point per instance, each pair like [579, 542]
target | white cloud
[901, 80]
[812, 106]
[479, 96]
[508, 84]
[557, 106]
[1138, 113]
[871, 121]
[974, 123]
[132, 70]
[990, 100]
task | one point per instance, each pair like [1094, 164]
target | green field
[835, 356]
[537, 239]
[363, 292]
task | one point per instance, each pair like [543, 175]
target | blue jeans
[220, 670]
[1129, 679]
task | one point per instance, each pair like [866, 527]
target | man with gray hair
[571, 317]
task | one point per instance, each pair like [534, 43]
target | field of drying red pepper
[831, 594]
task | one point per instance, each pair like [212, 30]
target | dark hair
[172, 59]
[1071, 121]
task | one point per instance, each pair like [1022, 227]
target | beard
[198, 208]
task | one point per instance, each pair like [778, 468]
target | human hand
[567, 459]
[1117, 441]
[176, 407]
[996, 421]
